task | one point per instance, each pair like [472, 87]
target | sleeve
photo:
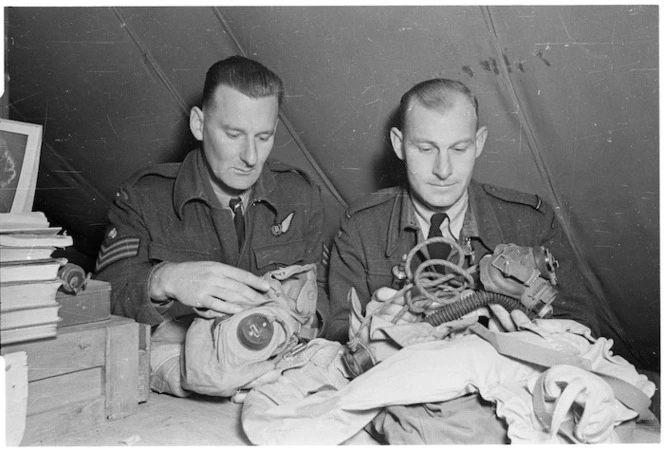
[123, 261]
[315, 250]
[347, 270]
[575, 299]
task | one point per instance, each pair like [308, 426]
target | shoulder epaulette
[278, 166]
[166, 170]
[514, 196]
[374, 199]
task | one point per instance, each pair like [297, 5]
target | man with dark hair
[439, 139]
[192, 239]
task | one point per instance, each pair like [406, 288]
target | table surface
[165, 420]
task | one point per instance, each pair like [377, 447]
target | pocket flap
[159, 252]
[285, 254]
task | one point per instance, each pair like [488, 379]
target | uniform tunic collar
[480, 220]
[192, 183]
[402, 219]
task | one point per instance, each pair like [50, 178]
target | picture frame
[20, 150]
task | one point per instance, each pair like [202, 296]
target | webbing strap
[628, 394]
[545, 417]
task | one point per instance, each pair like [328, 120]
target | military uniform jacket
[169, 213]
[379, 229]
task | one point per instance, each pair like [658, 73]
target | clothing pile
[301, 391]
[550, 381]
[317, 404]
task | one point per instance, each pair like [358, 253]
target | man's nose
[442, 165]
[249, 155]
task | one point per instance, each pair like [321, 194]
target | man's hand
[389, 312]
[501, 320]
[213, 288]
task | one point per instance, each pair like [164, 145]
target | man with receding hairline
[193, 239]
[439, 138]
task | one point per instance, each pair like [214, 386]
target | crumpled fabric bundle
[385, 338]
[215, 361]
[316, 370]
[438, 371]
[461, 421]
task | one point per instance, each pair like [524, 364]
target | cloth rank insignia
[114, 250]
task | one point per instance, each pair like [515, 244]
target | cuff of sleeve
[161, 305]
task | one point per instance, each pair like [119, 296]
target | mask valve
[255, 331]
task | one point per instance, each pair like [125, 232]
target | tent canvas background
[570, 95]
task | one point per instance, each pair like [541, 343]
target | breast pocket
[280, 255]
[159, 252]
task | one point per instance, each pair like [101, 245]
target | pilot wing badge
[280, 228]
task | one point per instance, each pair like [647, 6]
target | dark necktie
[438, 250]
[238, 220]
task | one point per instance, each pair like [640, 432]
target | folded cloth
[433, 372]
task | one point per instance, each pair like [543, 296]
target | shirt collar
[192, 183]
[455, 214]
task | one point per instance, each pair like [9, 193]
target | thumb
[384, 294]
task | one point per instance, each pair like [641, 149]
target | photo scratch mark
[544, 60]
[112, 127]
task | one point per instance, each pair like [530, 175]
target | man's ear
[397, 142]
[196, 119]
[480, 139]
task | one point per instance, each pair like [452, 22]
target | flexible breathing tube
[476, 300]
[425, 288]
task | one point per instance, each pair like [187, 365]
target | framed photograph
[20, 148]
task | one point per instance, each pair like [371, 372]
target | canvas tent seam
[151, 62]
[612, 321]
[287, 123]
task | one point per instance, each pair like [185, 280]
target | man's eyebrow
[230, 129]
[429, 141]
[422, 141]
[462, 141]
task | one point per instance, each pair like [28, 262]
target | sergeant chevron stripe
[120, 249]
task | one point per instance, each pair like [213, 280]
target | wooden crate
[92, 304]
[88, 374]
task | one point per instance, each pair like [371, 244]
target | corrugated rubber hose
[474, 301]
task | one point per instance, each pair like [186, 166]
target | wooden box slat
[64, 390]
[144, 333]
[85, 414]
[68, 352]
[122, 370]
[86, 374]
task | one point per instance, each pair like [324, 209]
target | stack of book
[29, 276]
